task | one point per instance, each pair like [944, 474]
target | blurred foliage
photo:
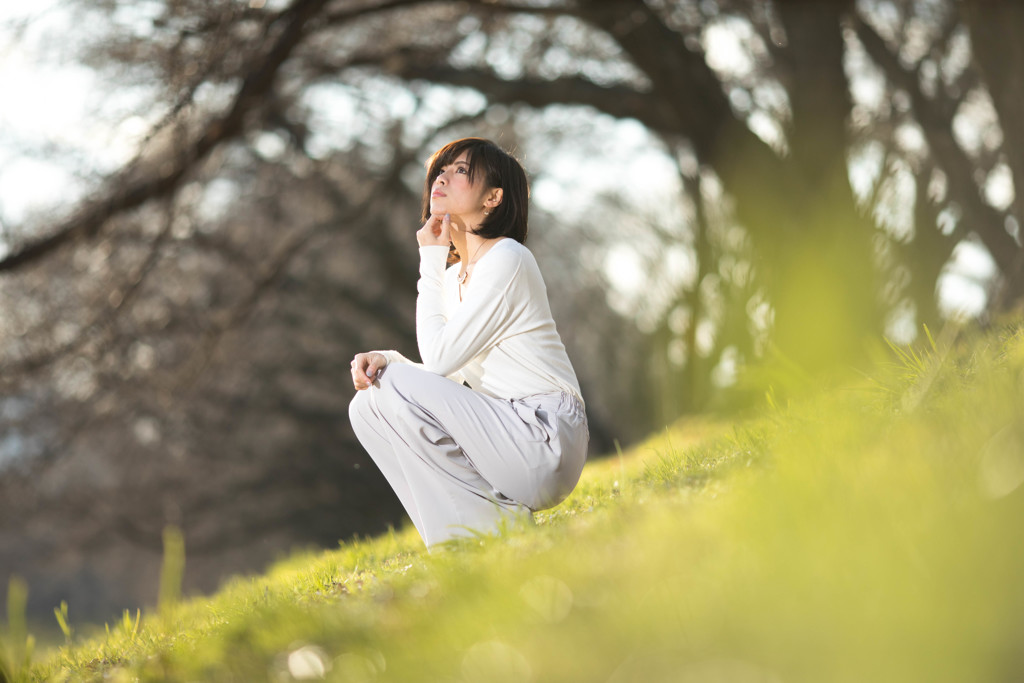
[845, 537]
[16, 643]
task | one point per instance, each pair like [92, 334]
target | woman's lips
[437, 193]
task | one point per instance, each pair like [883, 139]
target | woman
[492, 423]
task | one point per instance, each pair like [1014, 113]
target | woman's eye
[461, 169]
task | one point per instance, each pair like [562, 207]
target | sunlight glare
[723, 45]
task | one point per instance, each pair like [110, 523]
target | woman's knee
[360, 407]
[386, 395]
[404, 382]
[405, 390]
[399, 374]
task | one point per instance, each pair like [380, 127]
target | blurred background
[208, 206]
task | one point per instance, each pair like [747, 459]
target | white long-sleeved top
[499, 336]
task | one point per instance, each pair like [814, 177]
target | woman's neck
[460, 243]
[468, 245]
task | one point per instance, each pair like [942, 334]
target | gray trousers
[460, 460]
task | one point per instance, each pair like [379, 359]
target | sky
[40, 103]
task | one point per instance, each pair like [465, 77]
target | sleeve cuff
[394, 357]
[433, 260]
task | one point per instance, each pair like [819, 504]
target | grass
[871, 533]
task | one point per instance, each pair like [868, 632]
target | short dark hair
[499, 169]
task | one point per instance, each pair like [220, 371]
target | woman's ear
[494, 198]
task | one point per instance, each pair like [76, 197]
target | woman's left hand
[366, 367]
[437, 231]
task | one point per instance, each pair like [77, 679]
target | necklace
[465, 273]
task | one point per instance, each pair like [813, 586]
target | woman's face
[452, 193]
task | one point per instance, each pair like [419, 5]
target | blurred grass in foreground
[870, 534]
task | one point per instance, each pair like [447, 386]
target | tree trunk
[996, 29]
[814, 245]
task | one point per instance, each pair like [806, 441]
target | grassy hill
[872, 533]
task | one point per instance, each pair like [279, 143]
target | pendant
[461, 277]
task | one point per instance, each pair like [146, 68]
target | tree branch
[347, 15]
[103, 319]
[128, 194]
[936, 119]
[617, 101]
[679, 76]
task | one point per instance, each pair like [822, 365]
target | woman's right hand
[366, 367]
[436, 232]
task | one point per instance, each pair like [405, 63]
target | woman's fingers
[445, 233]
[425, 235]
[372, 368]
[435, 231]
[365, 368]
[359, 379]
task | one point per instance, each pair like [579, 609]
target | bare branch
[344, 16]
[103, 319]
[617, 101]
[128, 194]
[936, 119]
